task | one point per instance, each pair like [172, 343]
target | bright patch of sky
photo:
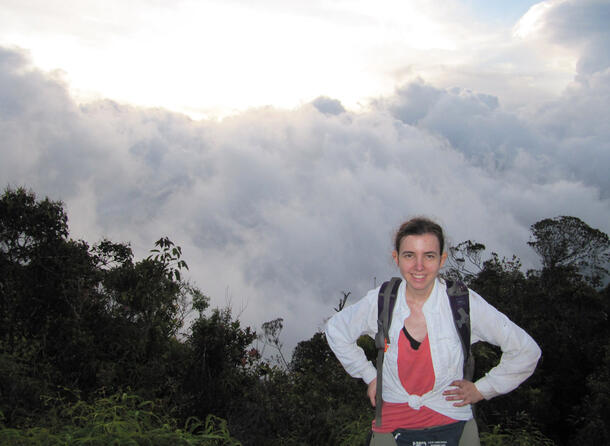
[499, 11]
[213, 57]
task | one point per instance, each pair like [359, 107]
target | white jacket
[520, 353]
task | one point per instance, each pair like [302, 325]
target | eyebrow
[413, 252]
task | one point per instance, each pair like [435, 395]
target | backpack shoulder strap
[459, 301]
[387, 294]
[386, 299]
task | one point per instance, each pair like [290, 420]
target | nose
[419, 264]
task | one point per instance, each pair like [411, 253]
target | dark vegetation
[94, 348]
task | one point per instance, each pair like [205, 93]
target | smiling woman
[426, 396]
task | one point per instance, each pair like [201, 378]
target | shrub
[120, 419]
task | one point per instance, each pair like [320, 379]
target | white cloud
[279, 210]
[577, 25]
[211, 58]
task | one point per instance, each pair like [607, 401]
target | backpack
[460, 308]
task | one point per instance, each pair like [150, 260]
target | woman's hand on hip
[464, 392]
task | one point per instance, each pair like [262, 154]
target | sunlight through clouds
[280, 142]
[532, 21]
[213, 58]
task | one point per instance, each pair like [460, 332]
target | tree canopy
[569, 242]
[89, 332]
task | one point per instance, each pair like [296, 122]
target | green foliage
[355, 432]
[123, 419]
[518, 430]
[590, 418]
[169, 255]
[47, 295]
[90, 318]
[569, 320]
[334, 399]
[21, 383]
[26, 224]
[570, 243]
[82, 317]
[219, 366]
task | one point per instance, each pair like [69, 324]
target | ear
[443, 258]
[395, 257]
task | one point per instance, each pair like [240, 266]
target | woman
[422, 372]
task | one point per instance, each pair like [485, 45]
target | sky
[281, 143]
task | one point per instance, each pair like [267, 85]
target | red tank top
[416, 374]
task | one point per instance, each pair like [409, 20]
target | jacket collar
[433, 301]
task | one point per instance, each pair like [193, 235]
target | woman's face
[419, 261]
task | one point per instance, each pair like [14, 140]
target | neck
[418, 297]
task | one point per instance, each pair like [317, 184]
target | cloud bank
[278, 211]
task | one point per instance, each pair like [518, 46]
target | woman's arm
[520, 353]
[344, 329]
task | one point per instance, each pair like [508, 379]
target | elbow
[536, 352]
[533, 355]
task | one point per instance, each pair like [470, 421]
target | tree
[47, 297]
[83, 318]
[464, 261]
[271, 336]
[146, 303]
[219, 367]
[569, 242]
[31, 233]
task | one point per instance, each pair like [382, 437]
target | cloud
[578, 24]
[328, 105]
[278, 211]
[566, 138]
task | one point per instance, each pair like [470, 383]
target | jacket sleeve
[344, 329]
[520, 353]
